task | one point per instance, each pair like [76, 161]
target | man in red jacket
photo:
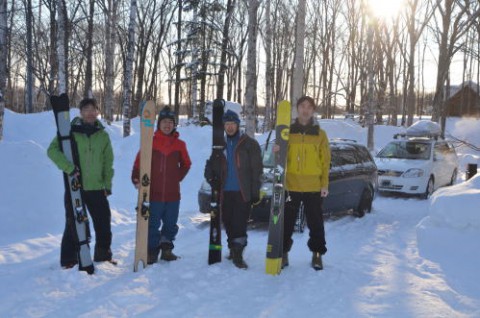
[170, 164]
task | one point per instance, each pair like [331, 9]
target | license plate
[386, 183]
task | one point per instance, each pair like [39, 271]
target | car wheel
[365, 205]
[454, 177]
[429, 189]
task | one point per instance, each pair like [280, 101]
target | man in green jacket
[96, 172]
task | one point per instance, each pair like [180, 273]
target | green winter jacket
[95, 155]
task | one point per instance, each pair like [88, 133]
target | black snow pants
[99, 210]
[312, 205]
[235, 214]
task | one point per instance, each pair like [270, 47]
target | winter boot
[237, 257]
[317, 261]
[152, 256]
[102, 254]
[167, 255]
[284, 260]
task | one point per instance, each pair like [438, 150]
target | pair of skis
[275, 229]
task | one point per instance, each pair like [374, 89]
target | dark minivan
[352, 188]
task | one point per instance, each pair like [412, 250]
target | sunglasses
[167, 113]
[230, 118]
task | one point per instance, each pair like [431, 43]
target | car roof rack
[424, 129]
[342, 140]
[417, 136]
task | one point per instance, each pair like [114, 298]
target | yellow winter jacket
[308, 158]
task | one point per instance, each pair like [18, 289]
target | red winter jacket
[170, 164]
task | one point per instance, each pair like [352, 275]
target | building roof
[454, 89]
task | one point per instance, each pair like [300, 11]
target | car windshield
[268, 156]
[406, 150]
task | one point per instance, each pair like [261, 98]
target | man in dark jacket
[241, 172]
[96, 167]
[170, 164]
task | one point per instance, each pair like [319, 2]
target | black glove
[214, 183]
[210, 175]
[75, 172]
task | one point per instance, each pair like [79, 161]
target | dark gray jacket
[249, 167]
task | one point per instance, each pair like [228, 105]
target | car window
[406, 150]
[344, 157]
[268, 155]
[363, 155]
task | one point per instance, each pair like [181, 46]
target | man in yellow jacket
[308, 166]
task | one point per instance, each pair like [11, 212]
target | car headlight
[413, 173]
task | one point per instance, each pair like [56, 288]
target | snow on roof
[424, 128]
[454, 89]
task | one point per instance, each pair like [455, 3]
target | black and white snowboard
[218, 146]
[73, 187]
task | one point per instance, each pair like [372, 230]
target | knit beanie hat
[166, 112]
[232, 116]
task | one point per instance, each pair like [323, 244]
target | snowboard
[275, 226]
[218, 146]
[74, 203]
[147, 124]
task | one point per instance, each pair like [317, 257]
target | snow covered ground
[408, 258]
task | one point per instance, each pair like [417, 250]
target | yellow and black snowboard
[275, 227]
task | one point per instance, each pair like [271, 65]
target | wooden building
[464, 100]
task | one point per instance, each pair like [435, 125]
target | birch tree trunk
[88, 89]
[371, 83]
[223, 56]
[29, 88]
[3, 61]
[269, 70]
[110, 40]
[61, 46]
[251, 73]
[297, 81]
[128, 73]
[53, 73]
[178, 60]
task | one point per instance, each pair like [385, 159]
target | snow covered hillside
[408, 258]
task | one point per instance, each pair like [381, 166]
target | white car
[416, 165]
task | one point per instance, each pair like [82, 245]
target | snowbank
[450, 234]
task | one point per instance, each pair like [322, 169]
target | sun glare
[386, 9]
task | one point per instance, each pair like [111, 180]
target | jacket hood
[159, 134]
[79, 126]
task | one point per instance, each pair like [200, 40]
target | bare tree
[88, 87]
[224, 52]
[251, 73]
[110, 11]
[297, 81]
[269, 69]
[29, 25]
[62, 50]
[454, 24]
[128, 72]
[3, 61]
[414, 33]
